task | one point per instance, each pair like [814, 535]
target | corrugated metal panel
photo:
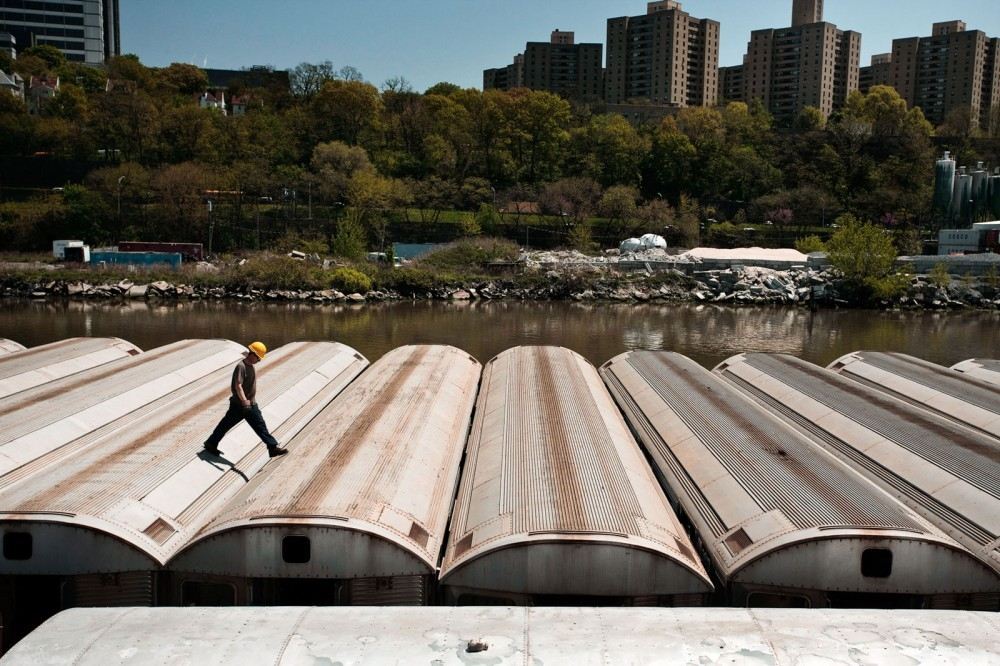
[551, 466]
[148, 487]
[9, 346]
[40, 365]
[290, 635]
[947, 473]
[961, 398]
[755, 488]
[985, 369]
[114, 589]
[389, 591]
[46, 423]
[372, 482]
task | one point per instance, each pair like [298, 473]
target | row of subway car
[537, 479]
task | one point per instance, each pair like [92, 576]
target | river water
[707, 334]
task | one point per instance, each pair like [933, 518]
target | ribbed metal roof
[148, 486]
[370, 480]
[39, 421]
[984, 369]
[9, 346]
[450, 635]
[756, 488]
[948, 393]
[39, 365]
[550, 460]
[946, 472]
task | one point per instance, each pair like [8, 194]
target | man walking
[242, 405]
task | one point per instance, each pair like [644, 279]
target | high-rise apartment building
[84, 30]
[665, 57]
[811, 63]
[559, 66]
[878, 73]
[952, 69]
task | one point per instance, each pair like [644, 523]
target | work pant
[237, 413]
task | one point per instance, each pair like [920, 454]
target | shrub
[349, 280]
[410, 281]
[350, 240]
[939, 275]
[808, 244]
[274, 273]
[581, 238]
[471, 254]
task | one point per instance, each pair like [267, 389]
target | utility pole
[211, 227]
[118, 231]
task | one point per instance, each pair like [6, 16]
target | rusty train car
[946, 472]
[33, 367]
[96, 524]
[962, 398]
[556, 504]
[358, 514]
[782, 521]
[985, 369]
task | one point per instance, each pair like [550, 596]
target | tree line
[342, 161]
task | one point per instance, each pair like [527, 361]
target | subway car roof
[962, 398]
[135, 495]
[985, 369]
[473, 635]
[9, 346]
[556, 496]
[37, 424]
[946, 472]
[370, 480]
[33, 367]
[771, 506]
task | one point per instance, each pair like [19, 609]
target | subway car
[96, 525]
[783, 522]
[962, 398]
[944, 471]
[556, 504]
[40, 365]
[357, 514]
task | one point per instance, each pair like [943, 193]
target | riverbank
[739, 285]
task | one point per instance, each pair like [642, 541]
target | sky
[427, 41]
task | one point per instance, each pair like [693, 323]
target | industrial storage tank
[783, 522]
[944, 471]
[40, 365]
[960, 204]
[95, 527]
[357, 514]
[961, 398]
[556, 503]
[983, 369]
[980, 190]
[41, 424]
[944, 184]
[995, 193]
[9, 346]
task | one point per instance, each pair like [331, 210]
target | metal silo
[944, 184]
[980, 190]
[995, 193]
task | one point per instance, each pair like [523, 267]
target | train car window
[17, 545]
[876, 563]
[201, 593]
[295, 549]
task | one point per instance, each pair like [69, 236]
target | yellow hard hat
[258, 348]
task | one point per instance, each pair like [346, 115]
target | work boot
[274, 453]
[214, 452]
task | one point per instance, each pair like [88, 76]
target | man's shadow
[215, 459]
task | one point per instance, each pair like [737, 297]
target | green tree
[181, 79]
[608, 149]
[50, 55]
[864, 255]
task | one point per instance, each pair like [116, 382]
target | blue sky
[427, 41]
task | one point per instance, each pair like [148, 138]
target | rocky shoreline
[736, 286]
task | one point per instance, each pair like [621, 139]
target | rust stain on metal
[955, 437]
[738, 541]
[132, 447]
[463, 546]
[308, 494]
[567, 501]
[159, 531]
[64, 387]
[419, 534]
